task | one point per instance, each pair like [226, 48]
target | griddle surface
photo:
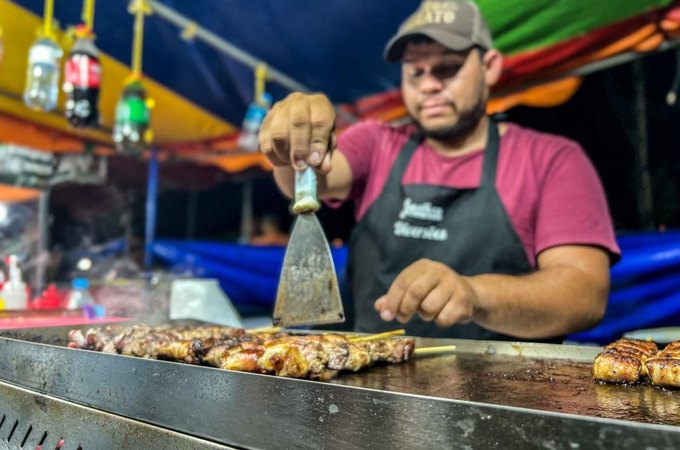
[556, 385]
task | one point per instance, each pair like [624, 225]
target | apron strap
[491, 155]
[403, 159]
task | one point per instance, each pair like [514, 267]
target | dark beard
[465, 125]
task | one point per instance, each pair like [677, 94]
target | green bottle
[131, 132]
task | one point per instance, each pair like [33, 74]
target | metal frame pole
[151, 206]
[224, 46]
[43, 239]
[645, 197]
[247, 211]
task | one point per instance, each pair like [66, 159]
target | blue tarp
[248, 275]
[645, 290]
[645, 284]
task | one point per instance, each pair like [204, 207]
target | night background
[601, 117]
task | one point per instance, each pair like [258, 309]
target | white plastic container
[14, 290]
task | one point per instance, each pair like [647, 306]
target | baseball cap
[456, 24]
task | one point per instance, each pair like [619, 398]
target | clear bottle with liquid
[14, 292]
[79, 296]
[250, 128]
[42, 79]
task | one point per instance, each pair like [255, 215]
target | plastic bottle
[14, 290]
[42, 79]
[79, 296]
[130, 131]
[248, 138]
[82, 80]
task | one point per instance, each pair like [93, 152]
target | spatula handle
[305, 192]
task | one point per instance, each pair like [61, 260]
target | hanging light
[42, 80]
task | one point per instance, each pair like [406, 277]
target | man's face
[444, 91]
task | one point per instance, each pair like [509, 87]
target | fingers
[407, 291]
[299, 131]
[432, 290]
[322, 119]
[456, 310]
[266, 141]
[435, 301]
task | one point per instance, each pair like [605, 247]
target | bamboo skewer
[375, 337]
[264, 330]
[434, 350]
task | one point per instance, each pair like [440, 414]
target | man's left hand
[432, 290]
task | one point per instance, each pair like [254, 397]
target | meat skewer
[664, 367]
[319, 357]
[623, 361]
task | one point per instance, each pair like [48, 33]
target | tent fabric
[645, 290]
[248, 275]
[13, 194]
[202, 95]
[174, 118]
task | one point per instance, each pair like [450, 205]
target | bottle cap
[80, 283]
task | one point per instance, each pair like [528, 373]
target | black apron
[466, 229]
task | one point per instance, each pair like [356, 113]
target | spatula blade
[308, 292]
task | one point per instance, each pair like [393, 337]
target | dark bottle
[82, 80]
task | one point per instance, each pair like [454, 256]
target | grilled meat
[142, 340]
[623, 361]
[664, 367]
[319, 357]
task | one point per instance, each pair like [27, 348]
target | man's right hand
[299, 132]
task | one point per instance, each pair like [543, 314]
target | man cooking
[466, 227]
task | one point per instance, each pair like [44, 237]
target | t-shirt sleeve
[357, 144]
[572, 207]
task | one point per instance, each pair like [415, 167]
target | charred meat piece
[318, 357]
[664, 367]
[623, 361]
[236, 356]
[94, 338]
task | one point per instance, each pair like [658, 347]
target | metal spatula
[308, 291]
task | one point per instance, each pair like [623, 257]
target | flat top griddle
[486, 395]
[548, 384]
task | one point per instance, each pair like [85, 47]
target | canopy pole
[88, 14]
[48, 19]
[223, 46]
[139, 8]
[191, 214]
[645, 198]
[247, 211]
[151, 203]
[43, 240]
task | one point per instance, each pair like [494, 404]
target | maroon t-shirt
[546, 183]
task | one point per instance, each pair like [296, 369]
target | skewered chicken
[319, 357]
[664, 367]
[623, 361]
